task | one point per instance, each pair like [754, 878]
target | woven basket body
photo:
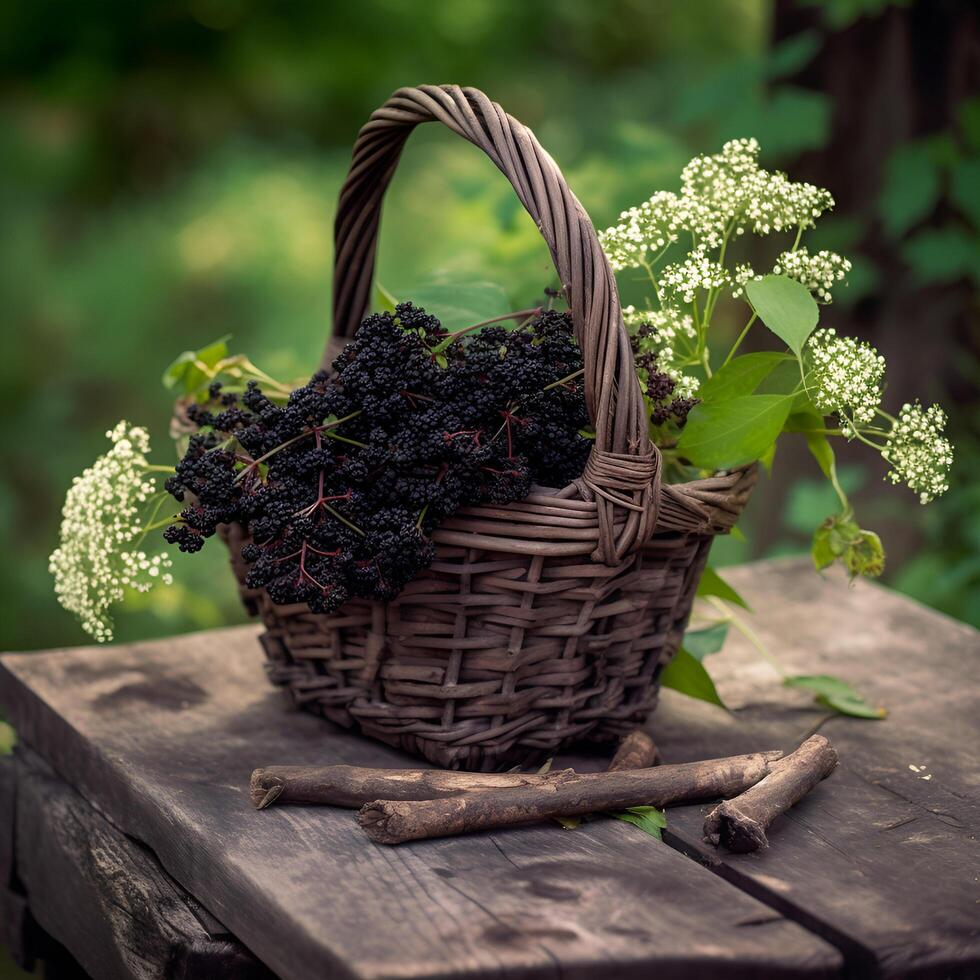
[542, 622]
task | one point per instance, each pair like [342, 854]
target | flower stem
[653, 278]
[316, 429]
[161, 499]
[343, 520]
[741, 337]
[519, 315]
[748, 633]
[340, 438]
[164, 522]
[565, 380]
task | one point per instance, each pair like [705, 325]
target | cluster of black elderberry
[662, 405]
[341, 486]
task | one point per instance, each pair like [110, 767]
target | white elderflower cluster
[649, 227]
[697, 271]
[741, 194]
[845, 377]
[721, 194]
[99, 556]
[742, 274]
[666, 326]
[818, 272]
[778, 203]
[919, 453]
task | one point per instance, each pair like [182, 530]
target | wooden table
[126, 833]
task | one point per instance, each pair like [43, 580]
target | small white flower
[740, 194]
[919, 453]
[644, 230]
[845, 378]
[723, 194]
[743, 273]
[819, 272]
[92, 567]
[697, 271]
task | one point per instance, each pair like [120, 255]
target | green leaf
[713, 584]
[789, 120]
[700, 643]
[727, 434]
[802, 421]
[686, 674]
[911, 187]
[384, 301]
[459, 305]
[186, 376]
[738, 534]
[821, 450]
[786, 307]
[792, 55]
[569, 823]
[8, 738]
[768, 458]
[969, 113]
[648, 818]
[965, 189]
[943, 255]
[832, 692]
[740, 376]
[822, 549]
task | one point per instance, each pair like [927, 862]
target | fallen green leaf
[8, 737]
[835, 694]
[648, 818]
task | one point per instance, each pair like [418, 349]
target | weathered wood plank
[880, 858]
[14, 922]
[106, 898]
[163, 737]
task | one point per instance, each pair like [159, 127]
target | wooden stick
[636, 751]
[353, 786]
[393, 821]
[740, 824]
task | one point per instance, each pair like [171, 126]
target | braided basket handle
[623, 469]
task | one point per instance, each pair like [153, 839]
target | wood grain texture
[14, 916]
[164, 745]
[878, 858]
[106, 897]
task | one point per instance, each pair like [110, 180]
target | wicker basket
[542, 622]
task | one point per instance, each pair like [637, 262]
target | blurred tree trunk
[892, 78]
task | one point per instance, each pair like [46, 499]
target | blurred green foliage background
[170, 170]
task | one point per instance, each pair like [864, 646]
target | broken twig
[353, 786]
[740, 824]
[636, 751]
[393, 821]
